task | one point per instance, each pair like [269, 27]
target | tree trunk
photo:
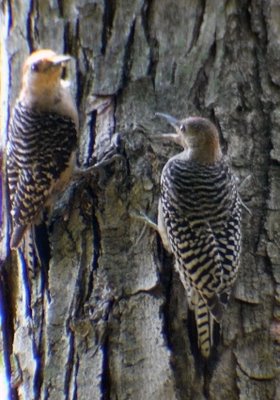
[106, 316]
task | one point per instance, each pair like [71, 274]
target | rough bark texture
[107, 316]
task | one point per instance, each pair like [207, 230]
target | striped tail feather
[29, 250]
[204, 324]
[27, 262]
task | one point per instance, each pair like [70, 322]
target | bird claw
[241, 186]
[141, 216]
[246, 208]
[107, 158]
[106, 161]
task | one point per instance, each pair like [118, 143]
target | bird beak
[59, 59]
[171, 120]
[175, 137]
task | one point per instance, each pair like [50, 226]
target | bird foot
[141, 216]
[113, 153]
[241, 186]
[78, 172]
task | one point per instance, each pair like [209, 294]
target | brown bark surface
[106, 318]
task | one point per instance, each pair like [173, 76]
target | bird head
[42, 69]
[197, 135]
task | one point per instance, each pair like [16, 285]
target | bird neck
[207, 155]
[52, 98]
[42, 97]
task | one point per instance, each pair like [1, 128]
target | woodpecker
[42, 140]
[199, 217]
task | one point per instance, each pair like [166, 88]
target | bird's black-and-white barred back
[202, 213]
[199, 199]
[39, 149]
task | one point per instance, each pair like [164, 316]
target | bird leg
[141, 216]
[159, 227]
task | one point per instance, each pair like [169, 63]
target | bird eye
[182, 128]
[34, 67]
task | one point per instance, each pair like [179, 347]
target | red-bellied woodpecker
[199, 221]
[42, 140]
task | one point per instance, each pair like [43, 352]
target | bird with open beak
[199, 217]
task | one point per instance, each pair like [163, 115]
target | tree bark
[106, 317]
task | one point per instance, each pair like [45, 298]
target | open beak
[171, 120]
[175, 137]
[59, 59]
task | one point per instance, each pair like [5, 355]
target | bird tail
[29, 249]
[204, 324]
[26, 255]
[33, 257]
